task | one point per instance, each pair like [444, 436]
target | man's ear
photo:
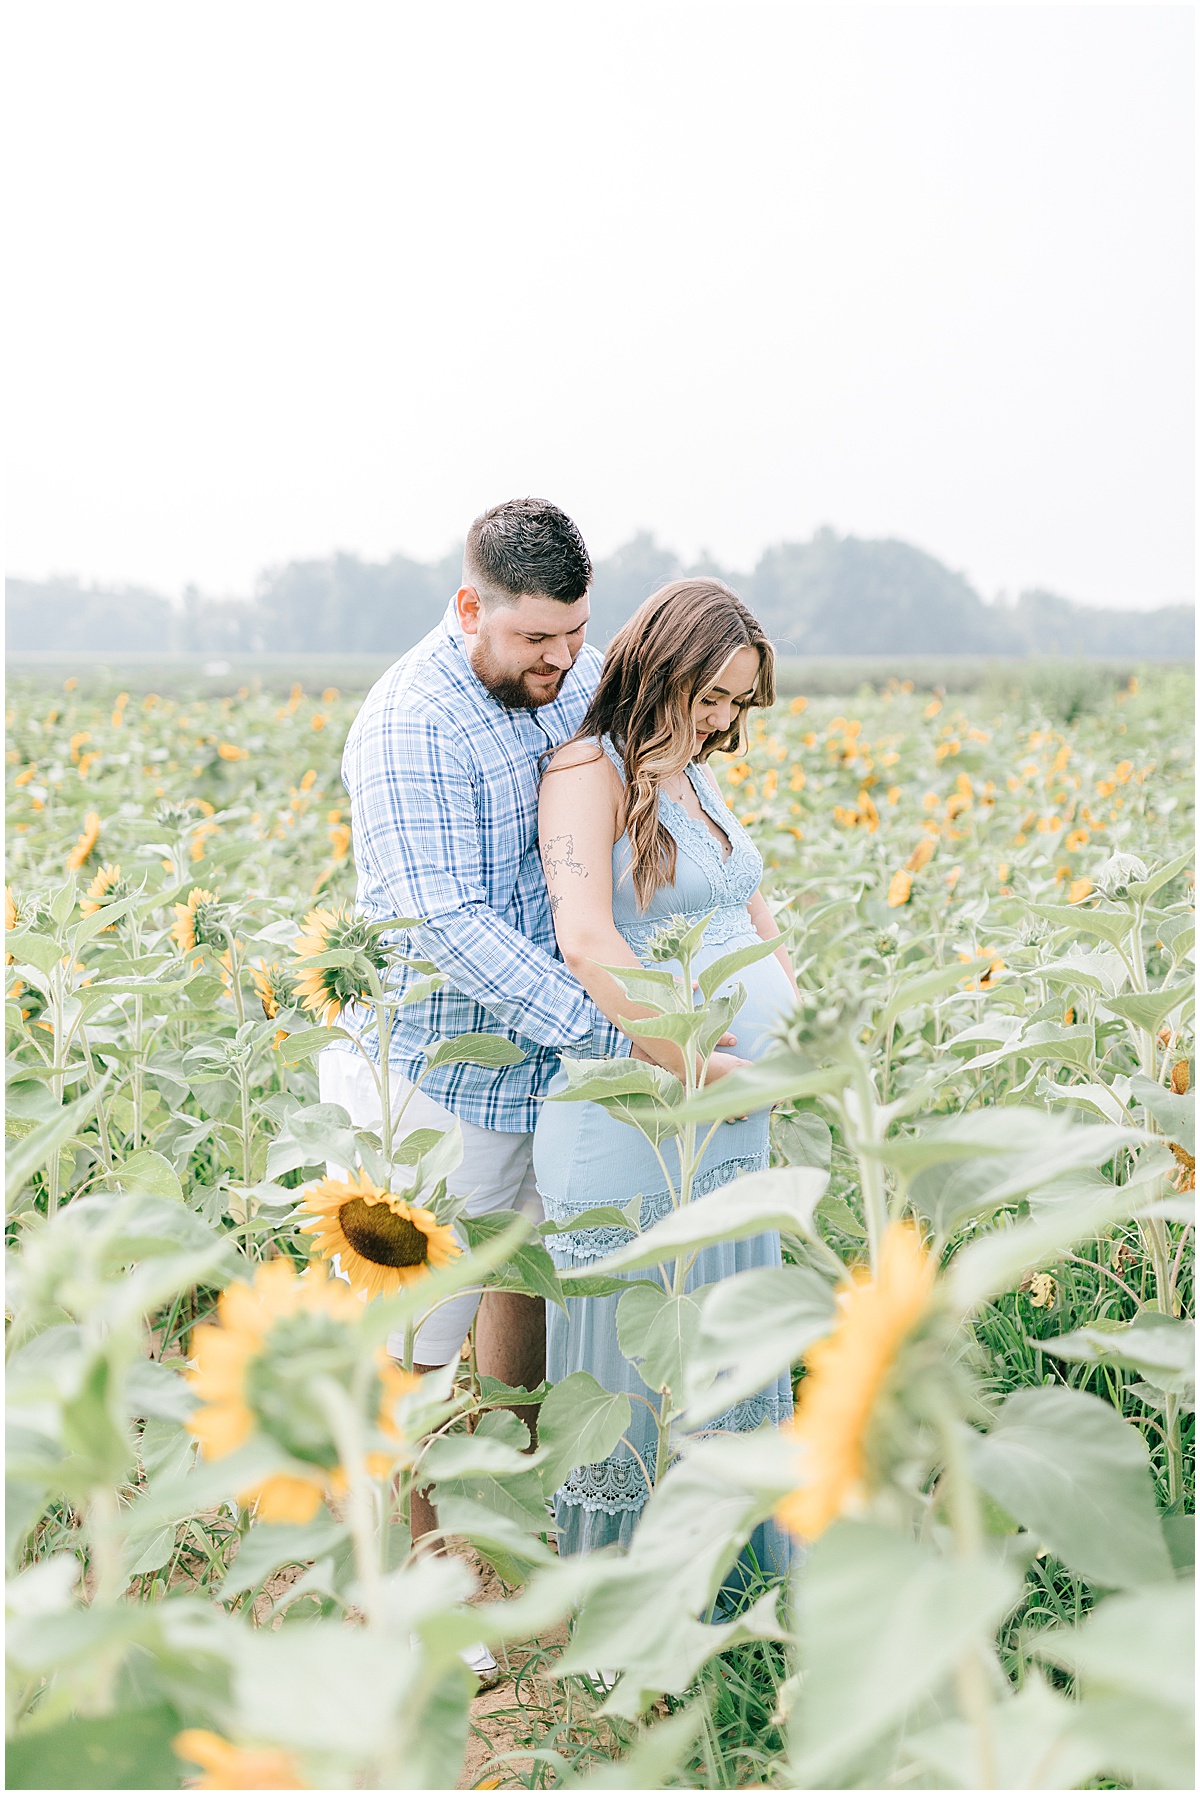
[469, 606]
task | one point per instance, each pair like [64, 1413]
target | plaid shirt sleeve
[417, 831]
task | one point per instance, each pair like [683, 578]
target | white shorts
[496, 1172]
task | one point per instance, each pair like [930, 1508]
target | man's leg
[496, 1172]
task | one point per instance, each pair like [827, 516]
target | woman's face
[715, 707]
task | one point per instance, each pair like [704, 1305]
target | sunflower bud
[1118, 873]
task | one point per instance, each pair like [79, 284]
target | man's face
[523, 651]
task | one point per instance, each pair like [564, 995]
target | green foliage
[1003, 1055]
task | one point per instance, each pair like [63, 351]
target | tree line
[833, 595]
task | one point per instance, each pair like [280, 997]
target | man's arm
[416, 835]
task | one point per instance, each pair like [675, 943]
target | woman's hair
[668, 655]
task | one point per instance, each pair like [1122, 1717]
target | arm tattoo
[555, 901]
[558, 855]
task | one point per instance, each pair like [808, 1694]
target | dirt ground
[497, 1716]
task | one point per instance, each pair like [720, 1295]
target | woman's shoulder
[583, 754]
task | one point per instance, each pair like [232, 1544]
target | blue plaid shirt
[443, 785]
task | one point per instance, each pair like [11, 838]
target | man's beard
[510, 689]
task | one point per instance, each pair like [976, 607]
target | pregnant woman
[633, 831]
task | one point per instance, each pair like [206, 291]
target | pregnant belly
[769, 998]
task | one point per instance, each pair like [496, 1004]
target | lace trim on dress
[583, 1246]
[616, 1485]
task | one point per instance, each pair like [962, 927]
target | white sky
[290, 277]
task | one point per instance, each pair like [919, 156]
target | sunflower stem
[970, 1676]
[345, 1424]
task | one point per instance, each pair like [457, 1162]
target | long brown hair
[666, 657]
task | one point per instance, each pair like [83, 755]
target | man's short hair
[526, 545]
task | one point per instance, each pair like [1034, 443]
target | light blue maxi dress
[584, 1158]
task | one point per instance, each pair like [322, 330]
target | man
[442, 766]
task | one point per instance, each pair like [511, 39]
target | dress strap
[609, 747]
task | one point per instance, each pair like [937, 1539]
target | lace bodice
[705, 878]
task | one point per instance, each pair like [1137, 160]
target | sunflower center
[378, 1234]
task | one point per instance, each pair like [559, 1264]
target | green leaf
[1133, 1658]
[998, 1261]
[952, 1193]
[1066, 1046]
[102, 918]
[1158, 1346]
[1031, 1733]
[714, 976]
[1087, 970]
[1076, 1475]
[1144, 889]
[1176, 1116]
[128, 1750]
[752, 1327]
[882, 1621]
[803, 1139]
[605, 1215]
[455, 1456]
[655, 1332]
[775, 1078]
[782, 1199]
[307, 1041]
[30, 949]
[312, 1135]
[149, 1173]
[927, 986]
[1150, 1009]
[1109, 925]
[265, 1549]
[91, 1427]
[528, 1270]
[479, 1518]
[475, 1050]
[579, 1423]
[1178, 935]
[683, 1029]
[32, 1153]
[595, 1081]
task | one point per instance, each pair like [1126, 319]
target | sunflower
[199, 922]
[922, 854]
[900, 889]
[108, 887]
[846, 1373]
[326, 990]
[253, 1373]
[273, 986]
[227, 1766]
[86, 843]
[383, 1241]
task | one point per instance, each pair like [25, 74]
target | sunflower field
[983, 1176]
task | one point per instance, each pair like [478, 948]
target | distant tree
[835, 595]
[346, 606]
[623, 579]
[61, 613]
[843, 595]
[1048, 624]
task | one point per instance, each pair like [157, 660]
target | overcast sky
[286, 278]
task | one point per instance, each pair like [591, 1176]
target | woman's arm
[580, 817]
[764, 923]
[767, 928]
